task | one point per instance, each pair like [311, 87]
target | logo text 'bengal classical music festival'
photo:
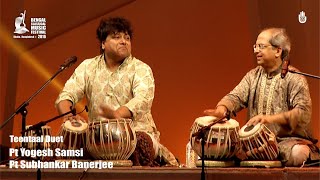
[38, 27]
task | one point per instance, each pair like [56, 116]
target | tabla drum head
[225, 124]
[75, 126]
[247, 131]
[46, 130]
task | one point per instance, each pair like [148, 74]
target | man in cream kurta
[283, 104]
[132, 85]
[267, 94]
[116, 85]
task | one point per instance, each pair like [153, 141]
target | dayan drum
[45, 131]
[221, 140]
[258, 142]
[111, 139]
[74, 135]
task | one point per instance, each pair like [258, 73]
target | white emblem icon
[20, 25]
[302, 17]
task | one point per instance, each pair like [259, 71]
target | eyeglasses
[260, 46]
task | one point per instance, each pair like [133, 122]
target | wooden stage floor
[165, 173]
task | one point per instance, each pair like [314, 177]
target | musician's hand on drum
[219, 112]
[79, 118]
[73, 118]
[263, 119]
[66, 118]
[107, 112]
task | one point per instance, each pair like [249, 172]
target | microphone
[229, 114]
[285, 68]
[69, 62]
[73, 111]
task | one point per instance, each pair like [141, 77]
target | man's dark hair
[111, 26]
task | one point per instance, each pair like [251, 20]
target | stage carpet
[164, 173]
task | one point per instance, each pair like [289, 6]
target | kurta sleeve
[299, 114]
[74, 88]
[143, 92]
[237, 99]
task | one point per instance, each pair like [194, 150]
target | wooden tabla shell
[259, 143]
[221, 141]
[74, 135]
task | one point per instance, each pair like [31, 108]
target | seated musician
[282, 104]
[117, 85]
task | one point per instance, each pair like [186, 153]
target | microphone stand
[42, 123]
[200, 135]
[22, 109]
[305, 74]
[37, 128]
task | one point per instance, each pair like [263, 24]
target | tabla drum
[221, 140]
[74, 136]
[258, 142]
[45, 131]
[111, 139]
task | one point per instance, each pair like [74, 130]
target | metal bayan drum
[111, 139]
[221, 141]
[74, 134]
[258, 142]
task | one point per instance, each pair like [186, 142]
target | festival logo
[38, 27]
[20, 24]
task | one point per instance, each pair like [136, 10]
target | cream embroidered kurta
[270, 94]
[273, 95]
[131, 85]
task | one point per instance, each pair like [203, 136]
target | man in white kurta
[115, 84]
[283, 104]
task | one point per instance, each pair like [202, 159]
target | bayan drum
[258, 142]
[74, 134]
[111, 139]
[221, 140]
